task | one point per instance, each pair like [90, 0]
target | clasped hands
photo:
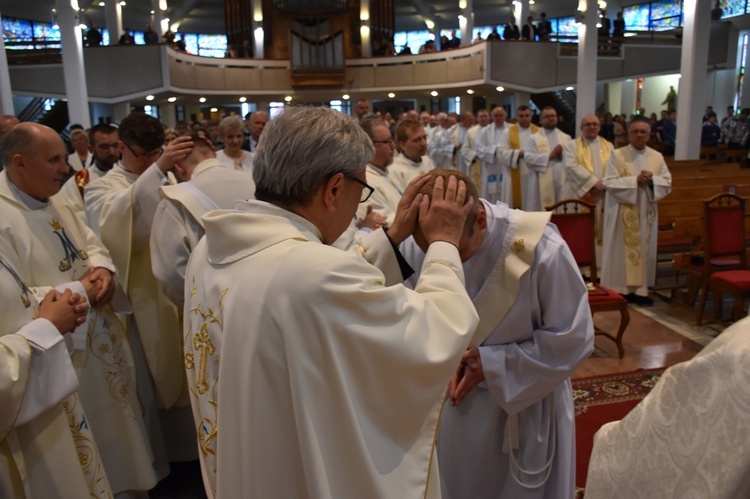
[65, 310]
[468, 375]
[99, 285]
[645, 178]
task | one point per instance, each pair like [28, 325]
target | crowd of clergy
[177, 266]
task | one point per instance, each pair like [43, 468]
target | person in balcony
[510, 32]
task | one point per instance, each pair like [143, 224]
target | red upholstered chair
[724, 243]
[575, 219]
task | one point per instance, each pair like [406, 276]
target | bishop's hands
[99, 284]
[442, 216]
[467, 376]
[177, 150]
[66, 310]
[407, 210]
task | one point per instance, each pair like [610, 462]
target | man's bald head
[35, 158]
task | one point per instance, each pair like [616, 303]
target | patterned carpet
[602, 399]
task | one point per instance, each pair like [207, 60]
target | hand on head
[443, 216]
[175, 151]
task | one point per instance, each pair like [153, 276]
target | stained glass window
[16, 30]
[212, 45]
[666, 14]
[414, 39]
[636, 17]
[46, 31]
[733, 8]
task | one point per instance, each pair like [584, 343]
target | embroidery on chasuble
[88, 454]
[202, 366]
[104, 337]
[25, 291]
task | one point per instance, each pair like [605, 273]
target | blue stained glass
[46, 31]
[732, 8]
[414, 39]
[191, 43]
[16, 30]
[636, 17]
[666, 14]
[212, 45]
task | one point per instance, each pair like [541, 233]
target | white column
[466, 21]
[120, 111]
[614, 98]
[522, 13]
[692, 91]
[6, 95]
[586, 76]
[157, 16]
[74, 73]
[364, 28]
[168, 115]
[258, 35]
[113, 15]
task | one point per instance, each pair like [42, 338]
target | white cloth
[71, 195]
[458, 136]
[385, 198]
[329, 383]
[177, 226]
[487, 150]
[538, 164]
[527, 361]
[243, 164]
[74, 160]
[441, 148]
[54, 249]
[689, 436]
[403, 170]
[121, 206]
[625, 190]
[509, 159]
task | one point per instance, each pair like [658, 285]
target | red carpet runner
[602, 399]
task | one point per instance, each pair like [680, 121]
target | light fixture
[243, 99]
[500, 88]
[570, 89]
[172, 99]
[629, 34]
[434, 93]
[149, 98]
[83, 27]
[122, 4]
[101, 4]
[391, 95]
[335, 102]
[470, 92]
[345, 96]
[214, 109]
[602, 4]
[531, 2]
[430, 25]
[202, 100]
[598, 25]
[462, 4]
[461, 18]
[258, 17]
[288, 98]
[364, 30]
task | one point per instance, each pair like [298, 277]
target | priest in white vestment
[689, 436]
[412, 159]
[120, 206]
[82, 156]
[54, 249]
[515, 173]
[103, 140]
[441, 145]
[585, 159]
[546, 183]
[177, 226]
[508, 428]
[469, 147]
[458, 135]
[385, 198]
[46, 447]
[636, 179]
[489, 153]
[318, 375]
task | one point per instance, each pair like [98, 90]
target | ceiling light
[345, 96]
[500, 88]
[391, 95]
[149, 98]
[434, 93]
[122, 4]
[152, 12]
[288, 98]
[172, 99]
[430, 25]
[101, 4]
[462, 4]
[214, 109]
[202, 100]
[569, 89]
[531, 2]
[243, 99]
[470, 92]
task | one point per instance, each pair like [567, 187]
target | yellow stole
[515, 175]
[547, 179]
[635, 274]
[583, 157]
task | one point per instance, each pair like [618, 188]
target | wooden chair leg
[739, 308]
[694, 285]
[624, 321]
[702, 306]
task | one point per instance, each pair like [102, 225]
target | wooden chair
[723, 243]
[575, 219]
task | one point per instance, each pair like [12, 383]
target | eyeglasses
[153, 155]
[366, 192]
[389, 142]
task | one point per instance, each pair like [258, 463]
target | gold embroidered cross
[519, 246]
[202, 343]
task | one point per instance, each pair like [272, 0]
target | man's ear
[480, 218]
[332, 189]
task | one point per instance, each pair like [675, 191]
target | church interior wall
[627, 99]
[720, 90]
[655, 89]
[613, 92]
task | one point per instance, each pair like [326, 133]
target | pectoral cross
[203, 344]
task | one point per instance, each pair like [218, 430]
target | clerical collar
[30, 202]
[637, 151]
[378, 169]
[412, 160]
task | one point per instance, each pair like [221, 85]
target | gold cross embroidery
[202, 343]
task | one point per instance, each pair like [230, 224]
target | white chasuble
[55, 250]
[489, 153]
[546, 177]
[403, 170]
[631, 219]
[312, 376]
